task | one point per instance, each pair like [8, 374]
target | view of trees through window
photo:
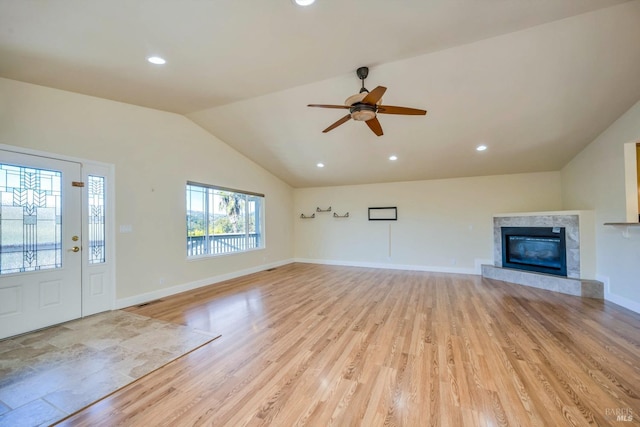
[222, 221]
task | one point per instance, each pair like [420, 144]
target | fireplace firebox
[541, 249]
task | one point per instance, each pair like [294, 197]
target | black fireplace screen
[541, 249]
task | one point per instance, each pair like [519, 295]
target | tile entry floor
[49, 374]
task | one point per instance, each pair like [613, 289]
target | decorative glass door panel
[30, 213]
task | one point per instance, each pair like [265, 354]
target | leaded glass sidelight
[95, 196]
[30, 219]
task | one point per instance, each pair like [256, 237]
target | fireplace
[540, 249]
[557, 249]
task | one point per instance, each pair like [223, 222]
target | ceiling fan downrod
[362, 74]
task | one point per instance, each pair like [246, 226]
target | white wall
[443, 225]
[595, 179]
[154, 154]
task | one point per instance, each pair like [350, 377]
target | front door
[40, 242]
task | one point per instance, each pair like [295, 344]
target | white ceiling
[534, 81]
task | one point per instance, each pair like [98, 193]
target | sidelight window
[96, 219]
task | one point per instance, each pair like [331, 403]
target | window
[223, 221]
[96, 219]
[632, 181]
[638, 175]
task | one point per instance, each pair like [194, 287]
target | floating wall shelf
[625, 226]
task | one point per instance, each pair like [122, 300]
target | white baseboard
[165, 292]
[411, 267]
[623, 302]
[617, 299]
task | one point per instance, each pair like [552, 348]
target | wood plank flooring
[325, 345]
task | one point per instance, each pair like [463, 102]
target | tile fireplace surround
[580, 242]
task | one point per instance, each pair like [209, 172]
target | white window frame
[208, 246]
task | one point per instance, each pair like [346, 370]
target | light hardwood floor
[326, 345]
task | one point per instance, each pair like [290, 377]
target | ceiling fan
[365, 106]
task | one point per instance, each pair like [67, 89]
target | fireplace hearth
[539, 249]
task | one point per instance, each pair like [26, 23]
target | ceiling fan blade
[375, 126]
[390, 109]
[374, 96]
[338, 123]
[329, 106]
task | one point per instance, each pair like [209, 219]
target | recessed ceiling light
[156, 60]
[394, 157]
[304, 2]
[320, 165]
[481, 147]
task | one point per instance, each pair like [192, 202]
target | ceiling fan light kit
[363, 113]
[365, 106]
[354, 99]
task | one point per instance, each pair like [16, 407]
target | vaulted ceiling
[533, 81]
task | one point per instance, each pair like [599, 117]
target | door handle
[75, 249]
